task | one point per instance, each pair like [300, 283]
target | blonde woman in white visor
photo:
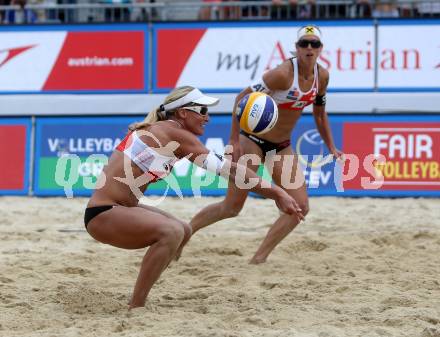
[295, 84]
[147, 154]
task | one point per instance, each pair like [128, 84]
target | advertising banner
[83, 58]
[322, 174]
[71, 153]
[384, 156]
[409, 60]
[411, 151]
[14, 155]
[229, 57]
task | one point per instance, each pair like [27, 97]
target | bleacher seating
[73, 11]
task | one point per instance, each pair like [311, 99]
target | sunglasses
[201, 110]
[305, 43]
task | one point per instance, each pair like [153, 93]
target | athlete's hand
[338, 155]
[287, 204]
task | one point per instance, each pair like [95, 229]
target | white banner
[234, 57]
[409, 56]
[26, 59]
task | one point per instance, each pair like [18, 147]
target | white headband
[309, 30]
[194, 96]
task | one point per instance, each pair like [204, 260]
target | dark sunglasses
[201, 110]
[305, 43]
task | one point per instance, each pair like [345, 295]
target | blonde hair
[159, 114]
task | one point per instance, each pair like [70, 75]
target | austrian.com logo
[95, 61]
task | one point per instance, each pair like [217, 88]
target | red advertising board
[411, 150]
[169, 63]
[12, 157]
[99, 60]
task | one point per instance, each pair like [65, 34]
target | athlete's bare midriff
[282, 130]
[109, 190]
[122, 181]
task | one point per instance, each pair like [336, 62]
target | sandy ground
[356, 267]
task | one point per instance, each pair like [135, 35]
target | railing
[216, 11]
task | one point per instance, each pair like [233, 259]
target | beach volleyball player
[295, 84]
[147, 154]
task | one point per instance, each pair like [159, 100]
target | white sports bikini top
[293, 98]
[154, 164]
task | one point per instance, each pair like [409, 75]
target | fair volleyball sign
[80, 59]
[411, 151]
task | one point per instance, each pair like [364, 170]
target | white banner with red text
[229, 57]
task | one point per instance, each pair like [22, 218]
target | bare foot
[132, 305]
[256, 260]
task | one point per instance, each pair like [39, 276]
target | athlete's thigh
[237, 195]
[129, 227]
[287, 173]
[159, 211]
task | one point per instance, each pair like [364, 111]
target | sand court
[356, 267]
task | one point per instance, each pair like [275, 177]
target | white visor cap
[194, 96]
[309, 31]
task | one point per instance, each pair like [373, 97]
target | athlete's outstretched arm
[320, 114]
[195, 151]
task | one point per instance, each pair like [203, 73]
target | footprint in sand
[7, 298]
[213, 277]
[191, 271]
[268, 285]
[121, 326]
[255, 320]
[393, 302]
[224, 251]
[308, 245]
[5, 280]
[394, 322]
[201, 310]
[20, 304]
[72, 271]
[424, 235]
[430, 332]
[195, 295]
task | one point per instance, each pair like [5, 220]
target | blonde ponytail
[153, 117]
[159, 114]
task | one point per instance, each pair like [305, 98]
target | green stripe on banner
[80, 174]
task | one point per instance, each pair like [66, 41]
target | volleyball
[257, 113]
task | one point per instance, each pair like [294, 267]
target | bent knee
[187, 230]
[172, 234]
[231, 211]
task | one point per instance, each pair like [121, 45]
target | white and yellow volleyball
[257, 113]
